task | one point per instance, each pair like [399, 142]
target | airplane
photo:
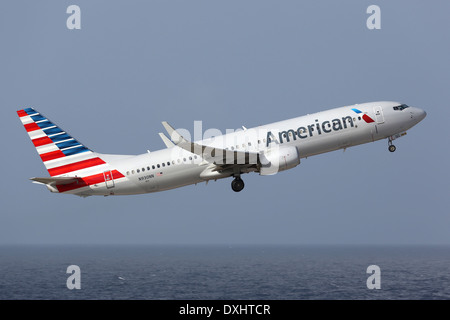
[267, 149]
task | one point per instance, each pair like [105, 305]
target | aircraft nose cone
[420, 114]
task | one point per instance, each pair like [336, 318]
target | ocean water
[225, 272]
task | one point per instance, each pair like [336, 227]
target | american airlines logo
[365, 117]
[316, 128]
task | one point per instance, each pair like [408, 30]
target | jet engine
[278, 159]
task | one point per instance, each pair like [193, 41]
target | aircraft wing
[223, 158]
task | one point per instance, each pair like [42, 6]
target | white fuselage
[312, 134]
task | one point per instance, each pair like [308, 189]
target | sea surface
[225, 272]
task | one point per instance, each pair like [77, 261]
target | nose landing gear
[391, 147]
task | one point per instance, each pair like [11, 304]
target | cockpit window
[401, 107]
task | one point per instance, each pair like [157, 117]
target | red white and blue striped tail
[62, 154]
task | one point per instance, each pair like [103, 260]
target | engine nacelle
[278, 159]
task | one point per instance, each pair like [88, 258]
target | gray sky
[134, 64]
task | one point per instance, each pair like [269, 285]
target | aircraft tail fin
[60, 152]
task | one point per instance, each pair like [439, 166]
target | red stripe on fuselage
[87, 181]
[75, 166]
[52, 155]
[41, 141]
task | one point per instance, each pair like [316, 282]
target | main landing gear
[391, 147]
[237, 184]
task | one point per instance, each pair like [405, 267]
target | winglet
[167, 142]
[173, 134]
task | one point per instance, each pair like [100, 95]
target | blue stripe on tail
[76, 150]
[52, 131]
[67, 144]
[60, 137]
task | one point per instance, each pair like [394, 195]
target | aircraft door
[109, 180]
[379, 117]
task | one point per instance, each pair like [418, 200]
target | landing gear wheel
[237, 184]
[391, 147]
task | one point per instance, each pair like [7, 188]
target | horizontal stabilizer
[56, 181]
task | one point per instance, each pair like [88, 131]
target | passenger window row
[236, 147]
[168, 163]
[160, 165]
